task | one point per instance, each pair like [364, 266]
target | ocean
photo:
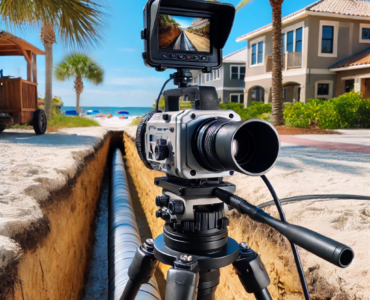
[134, 111]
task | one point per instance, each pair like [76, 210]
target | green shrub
[256, 110]
[346, 111]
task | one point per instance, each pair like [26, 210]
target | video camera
[202, 142]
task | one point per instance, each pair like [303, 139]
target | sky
[185, 22]
[128, 83]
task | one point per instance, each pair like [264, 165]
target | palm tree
[277, 75]
[79, 66]
[77, 23]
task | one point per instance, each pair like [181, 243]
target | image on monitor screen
[184, 33]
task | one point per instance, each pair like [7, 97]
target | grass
[63, 121]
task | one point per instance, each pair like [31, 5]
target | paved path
[348, 141]
[326, 145]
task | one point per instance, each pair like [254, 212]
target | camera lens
[251, 147]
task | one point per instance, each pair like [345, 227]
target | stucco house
[326, 52]
[229, 79]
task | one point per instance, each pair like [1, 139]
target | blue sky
[127, 81]
[184, 22]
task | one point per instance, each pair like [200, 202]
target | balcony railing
[292, 60]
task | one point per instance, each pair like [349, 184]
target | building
[326, 52]
[228, 80]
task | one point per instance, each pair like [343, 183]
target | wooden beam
[29, 71]
[34, 68]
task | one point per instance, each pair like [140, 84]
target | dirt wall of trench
[272, 247]
[54, 262]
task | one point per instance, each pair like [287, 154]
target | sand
[200, 43]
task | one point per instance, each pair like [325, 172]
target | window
[211, 76]
[238, 72]
[290, 42]
[242, 73]
[254, 54]
[324, 89]
[260, 53]
[237, 98]
[327, 39]
[364, 33]
[283, 44]
[298, 40]
[234, 72]
[257, 51]
[349, 85]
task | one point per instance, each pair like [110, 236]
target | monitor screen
[184, 33]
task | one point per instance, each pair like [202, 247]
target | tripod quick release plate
[190, 188]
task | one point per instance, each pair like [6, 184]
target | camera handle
[203, 97]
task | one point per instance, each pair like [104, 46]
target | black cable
[294, 247]
[161, 92]
[315, 197]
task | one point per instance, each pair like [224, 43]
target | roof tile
[359, 59]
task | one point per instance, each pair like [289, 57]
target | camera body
[170, 139]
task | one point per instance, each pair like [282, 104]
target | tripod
[195, 243]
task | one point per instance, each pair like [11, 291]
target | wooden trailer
[18, 97]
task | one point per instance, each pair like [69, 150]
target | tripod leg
[183, 280]
[252, 273]
[141, 270]
[208, 282]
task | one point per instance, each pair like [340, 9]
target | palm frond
[242, 3]
[78, 23]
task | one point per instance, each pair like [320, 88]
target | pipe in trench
[124, 238]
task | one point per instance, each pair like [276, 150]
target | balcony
[291, 60]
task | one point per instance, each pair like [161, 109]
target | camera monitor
[186, 33]
[180, 33]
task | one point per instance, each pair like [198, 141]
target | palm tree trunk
[48, 38]
[48, 79]
[79, 87]
[277, 74]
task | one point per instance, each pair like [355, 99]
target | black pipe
[315, 197]
[324, 247]
[124, 238]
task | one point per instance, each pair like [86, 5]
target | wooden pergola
[18, 97]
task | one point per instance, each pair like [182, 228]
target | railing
[270, 60]
[294, 60]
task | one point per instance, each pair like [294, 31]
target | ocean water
[134, 111]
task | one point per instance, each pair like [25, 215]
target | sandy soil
[46, 211]
[200, 43]
[166, 39]
[299, 171]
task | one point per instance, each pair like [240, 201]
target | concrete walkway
[348, 141]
